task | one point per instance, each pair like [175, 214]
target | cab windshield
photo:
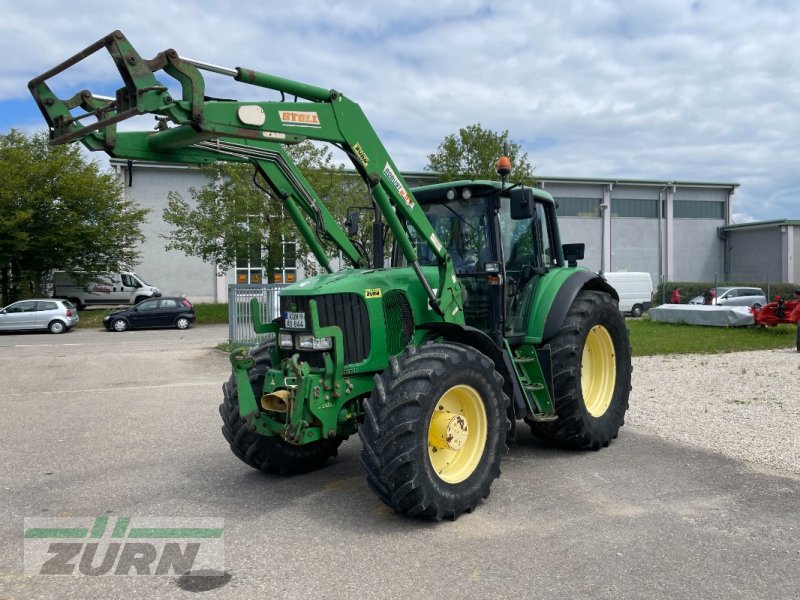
[462, 227]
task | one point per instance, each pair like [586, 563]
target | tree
[59, 211]
[231, 218]
[473, 154]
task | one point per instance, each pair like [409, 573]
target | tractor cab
[501, 241]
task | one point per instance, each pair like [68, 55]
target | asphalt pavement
[106, 424]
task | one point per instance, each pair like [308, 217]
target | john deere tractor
[483, 319]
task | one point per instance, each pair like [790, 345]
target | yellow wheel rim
[598, 371]
[457, 433]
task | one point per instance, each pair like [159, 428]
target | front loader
[483, 320]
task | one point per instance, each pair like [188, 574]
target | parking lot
[95, 423]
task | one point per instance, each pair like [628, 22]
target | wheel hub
[457, 434]
[448, 430]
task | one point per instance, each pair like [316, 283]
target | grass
[647, 338]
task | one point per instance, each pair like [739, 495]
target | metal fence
[240, 321]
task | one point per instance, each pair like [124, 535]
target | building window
[630, 207]
[249, 265]
[284, 263]
[578, 207]
[701, 209]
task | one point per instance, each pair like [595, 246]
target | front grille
[399, 321]
[347, 311]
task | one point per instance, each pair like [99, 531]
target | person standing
[675, 298]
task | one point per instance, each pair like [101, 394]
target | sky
[668, 90]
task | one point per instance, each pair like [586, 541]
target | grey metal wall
[756, 252]
[697, 250]
[172, 272]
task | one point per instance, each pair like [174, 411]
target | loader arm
[196, 129]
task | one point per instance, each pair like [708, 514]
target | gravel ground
[743, 404]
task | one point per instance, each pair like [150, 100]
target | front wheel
[434, 430]
[119, 325]
[637, 310]
[591, 357]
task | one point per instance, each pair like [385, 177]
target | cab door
[528, 253]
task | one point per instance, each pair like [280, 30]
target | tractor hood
[368, 283]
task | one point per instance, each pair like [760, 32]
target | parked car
[156, 312]
[55, 316]
[736, 296]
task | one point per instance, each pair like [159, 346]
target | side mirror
[351, 224]
[523, 204]
[573, 253]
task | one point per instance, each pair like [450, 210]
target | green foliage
[59, 211]
[472, 153]
[231, 218]
[649, 338]
[690, 289]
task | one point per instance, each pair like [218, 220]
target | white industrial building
[675, 230]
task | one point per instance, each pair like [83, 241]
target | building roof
[761, 224]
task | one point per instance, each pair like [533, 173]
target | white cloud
[680, 90]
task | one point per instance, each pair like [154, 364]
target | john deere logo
[373, 293]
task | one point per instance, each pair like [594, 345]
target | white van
[102, 288]
[635, 291]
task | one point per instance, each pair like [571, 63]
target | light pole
[603, 208]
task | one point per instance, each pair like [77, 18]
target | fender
[565, 296]
[470, 336]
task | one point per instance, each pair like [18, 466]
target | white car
[51, 314]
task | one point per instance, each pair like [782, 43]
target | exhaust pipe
[277, 401]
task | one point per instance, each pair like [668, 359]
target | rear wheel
[591, 359]
[119, 325]
[434, 430]
[78, 304]
[182, 323]
[56, 327]
[637, 310]
[267, 454]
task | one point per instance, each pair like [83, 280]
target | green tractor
[483, 319]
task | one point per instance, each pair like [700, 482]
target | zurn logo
[123, 546]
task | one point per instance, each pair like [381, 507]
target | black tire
[589, 418]
[637, 310]
[268, 454]
[182, 323]
[78, 304]
[398, 454]
[119, 325]
[57, 327]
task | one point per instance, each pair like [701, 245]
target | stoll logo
[128, 546]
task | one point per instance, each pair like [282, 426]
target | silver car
[54, 315]
[736, 296]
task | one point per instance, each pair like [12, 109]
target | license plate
[294, 320]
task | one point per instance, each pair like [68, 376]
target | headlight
[309, 342]
[285, 340]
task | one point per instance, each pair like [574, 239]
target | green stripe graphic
[175, 532]
[56, 532]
